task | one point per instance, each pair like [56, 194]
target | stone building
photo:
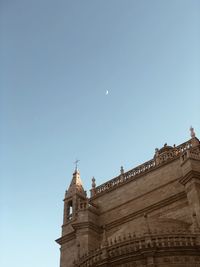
[147, 216]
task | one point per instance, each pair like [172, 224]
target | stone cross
[76, 164]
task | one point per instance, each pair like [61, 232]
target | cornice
[142, 195]
[86, 225]
[189, 176]
[147, 210]
[66, 238]
[78, 226]
[189, 159]
[72, 196]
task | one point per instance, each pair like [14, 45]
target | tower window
[69, 210]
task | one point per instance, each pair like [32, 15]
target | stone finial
[93, 183]
[192, 133]
[122, 170]
[156, 156]
[156, 152]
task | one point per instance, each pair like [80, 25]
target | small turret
[73, 195]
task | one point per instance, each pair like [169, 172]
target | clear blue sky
[57, 59]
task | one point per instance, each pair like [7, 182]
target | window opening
[70, 210]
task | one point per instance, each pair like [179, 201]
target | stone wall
[148, 216]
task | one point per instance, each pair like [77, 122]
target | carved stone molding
[192, 175]
[87, 225]
[148, 209]
[66, 238]
[163, 249]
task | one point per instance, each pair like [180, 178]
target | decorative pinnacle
[76, 164]
[122, 170]
[156, 151]
[192, 133]
[93, 182]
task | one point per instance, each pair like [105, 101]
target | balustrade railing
[158, 160]
[131, 244]
[86, 204]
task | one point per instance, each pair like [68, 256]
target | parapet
[162, 156]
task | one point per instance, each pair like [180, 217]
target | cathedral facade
[147, 216]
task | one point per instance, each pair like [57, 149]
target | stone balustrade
[87, 205]
[190, 153]
[130, 244]
[126, 176]
[194, 154]
[83, 205]
[157, 161]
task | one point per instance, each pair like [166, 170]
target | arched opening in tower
[70, 210]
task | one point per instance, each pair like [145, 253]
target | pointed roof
[76, 186]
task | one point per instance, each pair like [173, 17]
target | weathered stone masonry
[148, 216]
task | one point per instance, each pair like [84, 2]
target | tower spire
[76, 164]
[76, 185]
[192, 132]
[73, 195]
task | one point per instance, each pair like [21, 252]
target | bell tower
[80, 229]
[73, 196]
